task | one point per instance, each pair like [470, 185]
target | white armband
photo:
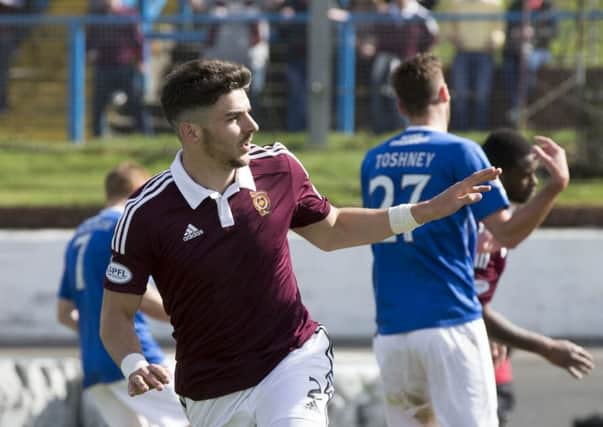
[131, 363]
[401, 219]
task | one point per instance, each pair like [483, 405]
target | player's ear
[189, 131]
[443, 93]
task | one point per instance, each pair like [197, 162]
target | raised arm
[565, 354]
[510, 230]
[346, 227]
[120, 339]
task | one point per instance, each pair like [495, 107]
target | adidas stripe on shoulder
[151, 189]
[273, 150]
[279, 149]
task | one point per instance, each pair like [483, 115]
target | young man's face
[520, 181]
[228, 130]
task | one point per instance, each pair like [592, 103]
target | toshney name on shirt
[417, 159]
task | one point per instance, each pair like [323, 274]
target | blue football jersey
[86, 258]
[424, 278]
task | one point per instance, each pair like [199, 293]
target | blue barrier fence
[345, 47]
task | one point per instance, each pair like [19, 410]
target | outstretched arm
[565, 354]
[348, 227]
[120, 339]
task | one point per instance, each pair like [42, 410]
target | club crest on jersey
[261, 202]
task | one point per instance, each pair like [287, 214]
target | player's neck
[437, 117]
[207, 173]
[431, 122]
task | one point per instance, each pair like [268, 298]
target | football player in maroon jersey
[509, 150]
[212, 232]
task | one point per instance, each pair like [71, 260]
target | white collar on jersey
[194, 193]
[417, 128]
[119, 208]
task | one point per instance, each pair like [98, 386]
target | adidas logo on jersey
[191, 232]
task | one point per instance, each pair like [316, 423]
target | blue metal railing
[346, 49]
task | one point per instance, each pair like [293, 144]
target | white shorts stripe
[121, 234]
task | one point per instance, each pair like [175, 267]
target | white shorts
[294, 394]
[151, 409]
[438, 376]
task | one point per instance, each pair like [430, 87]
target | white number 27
[419, 181]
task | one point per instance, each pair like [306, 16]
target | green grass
[38, 173]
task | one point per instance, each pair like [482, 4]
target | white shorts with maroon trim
[119, 409]
[442, 374]
[294, 393]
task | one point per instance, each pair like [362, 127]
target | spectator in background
[475, 42]
[243, 42]
[429, 4]
[293, 35]
[406, 28]
[364, 38]
[188, 50]
[152, 8]
[79, 308]
[526, 49]
[116, 51]
[8, 41]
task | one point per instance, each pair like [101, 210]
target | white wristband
[401, 219]
[131, 363]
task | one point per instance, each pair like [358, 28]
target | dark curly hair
[200, 83]
[505, 148]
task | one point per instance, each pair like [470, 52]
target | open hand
[553, 157]
[572, 357]
[147, 378]
[464, 192]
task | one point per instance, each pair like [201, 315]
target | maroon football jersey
[222, 265]
[488, 269]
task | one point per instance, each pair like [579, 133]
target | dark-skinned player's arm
[565, 354]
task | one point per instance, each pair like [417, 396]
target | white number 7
[81, 243]
[385, 182]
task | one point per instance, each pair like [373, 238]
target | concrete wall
[552, 285]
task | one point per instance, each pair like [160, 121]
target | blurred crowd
[387, 32]
[398, 30]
